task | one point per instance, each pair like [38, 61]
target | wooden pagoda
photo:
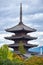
[21, 31]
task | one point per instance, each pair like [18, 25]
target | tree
[5, 53]
[21, 48]
[10, 55]
[7, 62]
[34, 60]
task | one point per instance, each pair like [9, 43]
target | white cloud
[41, 39]
[4, 41]
[33, 17]
[37, 34]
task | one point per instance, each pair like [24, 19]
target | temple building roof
[20, 26]
[25, 45]
[23, 37]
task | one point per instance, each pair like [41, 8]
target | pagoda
[20, 34]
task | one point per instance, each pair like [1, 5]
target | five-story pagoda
[21, 31]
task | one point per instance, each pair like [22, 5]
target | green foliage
[10, 55]
[7, 62]
[21, 48]
[3, 52]
[9, 58]
[35, 60]
[1, 62]
[19, 63]
[17, 58]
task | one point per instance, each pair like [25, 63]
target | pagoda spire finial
[20, 12]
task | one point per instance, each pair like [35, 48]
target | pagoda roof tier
[20, 27]
[23, 37]
[25, 45]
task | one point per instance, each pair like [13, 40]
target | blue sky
[32, 16]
